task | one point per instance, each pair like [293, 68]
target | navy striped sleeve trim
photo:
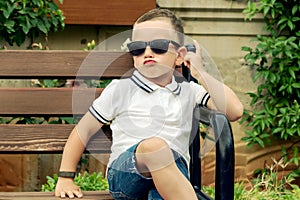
[141, 84]
[97, 115]
[205, 99]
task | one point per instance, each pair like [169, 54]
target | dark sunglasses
[159, 46]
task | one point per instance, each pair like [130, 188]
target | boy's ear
[180, 57]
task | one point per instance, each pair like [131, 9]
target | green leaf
[294, 10]
[292, 73]
[257, 76]
[42, 26]
[277, 130]
[272, 78]
[260, 142]
[291, 24]
[69, 120]
[245, 48]
[19, 38]
[49, 83]
[282, 20]
[26, 26]
[7, 12]
[296, 85]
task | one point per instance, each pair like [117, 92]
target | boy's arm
[73, 150]
[222, 97]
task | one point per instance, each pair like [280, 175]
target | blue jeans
[126, 183]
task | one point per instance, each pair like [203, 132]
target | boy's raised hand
[66, 187]
[194, 61]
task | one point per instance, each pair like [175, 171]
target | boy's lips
[149, 62]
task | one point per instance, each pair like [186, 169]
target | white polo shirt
[137, 109]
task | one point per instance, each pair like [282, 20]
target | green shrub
[276, 61]
[86, 181]
[27, 18]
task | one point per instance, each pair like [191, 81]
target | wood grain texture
[24, 64]
[46, 138]
[113, 12]
[46, 101]
[88, 195]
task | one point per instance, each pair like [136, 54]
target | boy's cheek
[135, 62]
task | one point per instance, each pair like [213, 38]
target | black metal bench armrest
[225, 155]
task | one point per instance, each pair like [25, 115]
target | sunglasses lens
[159, 46]
[136, 48]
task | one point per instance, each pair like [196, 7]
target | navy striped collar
[149, 87]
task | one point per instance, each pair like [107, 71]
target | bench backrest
[51, 102]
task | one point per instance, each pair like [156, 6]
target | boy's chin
[154, 71]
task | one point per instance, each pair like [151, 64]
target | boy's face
[152, 63]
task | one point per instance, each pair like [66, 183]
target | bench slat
[46, 101]
[91, 195]
[46, 138]
[63, 64]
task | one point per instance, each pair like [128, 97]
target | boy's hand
[194, 61]
[66, 187]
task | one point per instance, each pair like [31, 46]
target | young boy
[150, 115]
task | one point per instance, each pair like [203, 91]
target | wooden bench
[50, 138]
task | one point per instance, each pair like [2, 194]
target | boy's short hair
[165, 13]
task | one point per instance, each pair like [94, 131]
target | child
[150, 115]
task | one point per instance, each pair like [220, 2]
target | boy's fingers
[70, 194]
[62, 194]
[78, 193]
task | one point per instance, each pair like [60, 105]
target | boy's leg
[125, 182]
[155, 158]
[182, 165]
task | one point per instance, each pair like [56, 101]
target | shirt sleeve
[104, 108]
[202, 96]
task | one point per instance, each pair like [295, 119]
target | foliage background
[276, 61]
[28, 18]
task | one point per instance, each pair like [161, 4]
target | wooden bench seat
[91, 195]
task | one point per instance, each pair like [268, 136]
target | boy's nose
[148, 51]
